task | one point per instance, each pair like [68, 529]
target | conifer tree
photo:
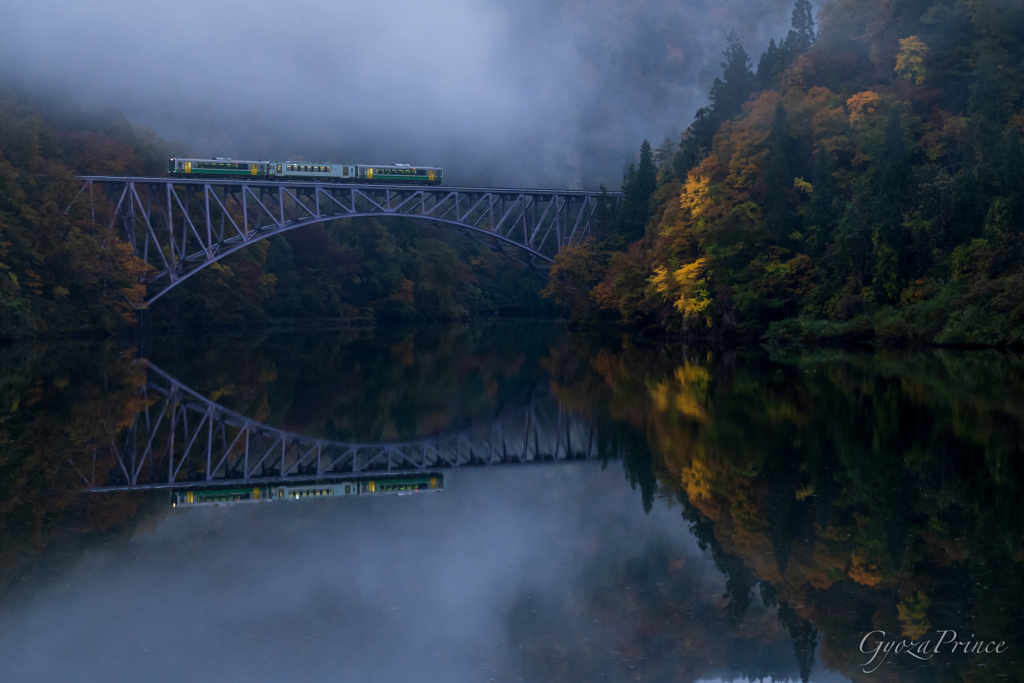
[696, 142]
[801, 36]
[821, 214]
[768, 66]
[894, 179]
[779, 177]
[603, 214]
[728, 94]
[638, 185]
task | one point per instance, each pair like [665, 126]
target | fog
[450, 586]
[530, 93]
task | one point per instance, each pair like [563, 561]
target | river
[600, 508]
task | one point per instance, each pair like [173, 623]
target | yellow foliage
[659, 394]
[910, 59]
[691, 406]
[865, 573]
[689, 394]
[803, 186]
[913, 612]
[687, 285]
[696, 196]
[691, 373]
[862, 106]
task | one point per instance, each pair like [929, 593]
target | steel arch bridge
[181, 226]
[183, 439]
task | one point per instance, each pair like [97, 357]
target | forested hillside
[865, 179]
[60, 272]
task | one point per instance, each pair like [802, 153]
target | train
[305, 170]
[281, 492]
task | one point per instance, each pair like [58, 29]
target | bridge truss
[185, 440]
[181, 226]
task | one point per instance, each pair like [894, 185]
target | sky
[486, 581]
[535, 93]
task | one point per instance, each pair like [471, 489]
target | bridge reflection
[182, 439]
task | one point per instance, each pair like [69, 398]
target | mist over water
[553, 94]
[738, 514]
[435, 587]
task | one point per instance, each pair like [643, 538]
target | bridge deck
[360, 186]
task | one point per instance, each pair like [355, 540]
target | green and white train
[281, 492]
[305, 170]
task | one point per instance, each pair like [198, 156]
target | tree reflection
[856, 491]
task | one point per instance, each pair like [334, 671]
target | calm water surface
[652, 512]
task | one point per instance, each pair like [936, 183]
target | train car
[306, 170]
[218, 167]
[309, 170]
[403, 485]
[400, 173]
[280, 492]
[256, 494]
[307, 492]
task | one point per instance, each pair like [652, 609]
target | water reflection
[857, 491]
[180, 438]
[777, 508]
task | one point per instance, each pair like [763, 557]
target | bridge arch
[183, 439]
[182, 226]
[450, 226]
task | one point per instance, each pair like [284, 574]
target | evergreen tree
[821, 214]
[894, 179]
[728, 94]
[778, 215]
[665, 152]
[737, 83]
[775, 59]
[695, 143]
[638, 185]
[801, 36]
[603, 214]
[768, 66]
